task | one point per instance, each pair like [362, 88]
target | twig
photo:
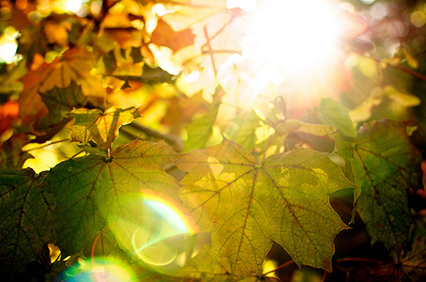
[279, 267]
[46, 145]
[174, 141]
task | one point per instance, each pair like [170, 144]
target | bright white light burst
[292, 36]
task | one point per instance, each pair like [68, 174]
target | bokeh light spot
[418, 18]
[101, 270]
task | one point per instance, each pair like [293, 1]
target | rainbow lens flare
[102, 270]
[163, 245]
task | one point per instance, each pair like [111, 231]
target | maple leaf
[60, 101]
[390, 166]
[247, 126]
[413, 263]
[96, 191]
[245, 205]
[73, 65]
[200, 129]
[164, 35]
[98, 126]
[26, 209]
[336, 115]
[219, 31]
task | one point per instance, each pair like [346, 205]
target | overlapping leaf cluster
[112, 84]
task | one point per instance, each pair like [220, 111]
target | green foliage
[390, 165]
[26, 210]
[284, 199]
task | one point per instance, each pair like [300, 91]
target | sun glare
[292, 36]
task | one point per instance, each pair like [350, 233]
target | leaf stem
[46, 145]
[174, 141]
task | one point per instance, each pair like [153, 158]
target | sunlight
[293, 36]
[8, 45]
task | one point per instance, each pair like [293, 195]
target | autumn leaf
[391, 166]
[182, 110]
[101, 127]
[95, 191]
[219, 31]
[74, 65]
[245, 205]
[164, 35]
[201, 128]
[26, 209]
[9, 112]
[60, 101]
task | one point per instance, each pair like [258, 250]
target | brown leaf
[74, 65]
[164, 35]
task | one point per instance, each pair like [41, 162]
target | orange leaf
[74, 65]
[164, 35]
[8, 113]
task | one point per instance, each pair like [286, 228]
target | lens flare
[101, 270]
[163, 241]
[171, 211]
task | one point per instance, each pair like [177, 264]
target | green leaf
[377, 97]
[201, 128]
[246, 205]
[95, 191]
[405, 99]
[26, 209]
[336, 115]
[98, 126]
[249, 130]
[60, 101]
[391, 166]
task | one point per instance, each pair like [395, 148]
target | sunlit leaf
[94, 192]
[284, 199]
[391, 167]
[377, 97]
[336, 115]
[199, 269]
[219, 31]
[164, 35]
[200, 129]
[26, 209]
[75, 65]
[101, 127]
